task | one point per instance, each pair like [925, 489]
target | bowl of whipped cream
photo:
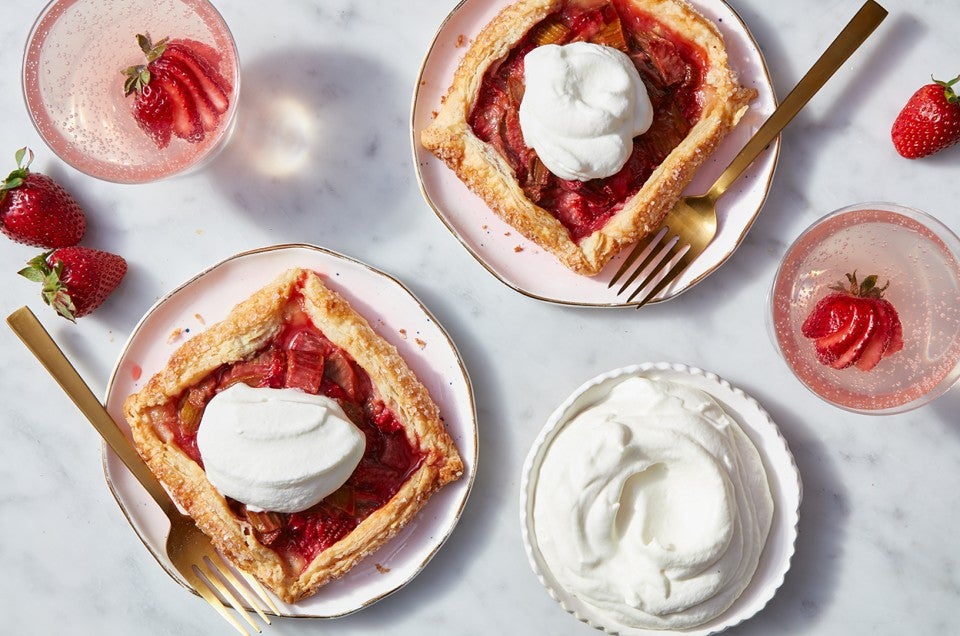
[659, 498]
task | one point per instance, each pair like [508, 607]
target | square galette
[481, 130]
[297, 438]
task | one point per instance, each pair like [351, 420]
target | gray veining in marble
[322, 154]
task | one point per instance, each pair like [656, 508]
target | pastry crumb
[199, 319]
[174, 335]
[420, 343]
[382, 569]
[403, 334]
[518, 248]
[461, 40]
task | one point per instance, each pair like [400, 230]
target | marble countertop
[878, 550]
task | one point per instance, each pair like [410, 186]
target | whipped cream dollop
[652, 505]
[277, 449]
[582, 106]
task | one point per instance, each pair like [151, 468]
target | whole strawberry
[76, 280]
[36, 210]
[929, 122]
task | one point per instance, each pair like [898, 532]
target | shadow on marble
[889, 44]
[318, 138]
[808, 590]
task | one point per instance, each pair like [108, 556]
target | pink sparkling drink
[918, 256]
[74, 86]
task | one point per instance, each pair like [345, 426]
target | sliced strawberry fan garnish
[855, 325]
[178, 91]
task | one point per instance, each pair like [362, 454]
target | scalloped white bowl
[782, 473]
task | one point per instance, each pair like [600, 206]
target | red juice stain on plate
[135, 372]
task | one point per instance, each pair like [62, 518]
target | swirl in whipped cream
[277, 449]
[582, 106]
[652, 505]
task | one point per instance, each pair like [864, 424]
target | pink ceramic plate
[534, 272]
[396, 315]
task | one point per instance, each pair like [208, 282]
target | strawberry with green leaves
[179, 91]
[76, 280]
[929, 122]
[855, 325]
[36, 210]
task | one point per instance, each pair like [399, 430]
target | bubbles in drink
[74, 86]
[910, 255]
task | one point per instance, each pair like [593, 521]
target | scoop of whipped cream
[653, 506]
[582, 106]
[277, 449]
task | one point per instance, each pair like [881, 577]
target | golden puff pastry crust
[485, 171]
[249, 327]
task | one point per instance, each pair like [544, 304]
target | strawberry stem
[138, 75]
[15, 178]
[54, 293]
[867, 288]
[948, 93]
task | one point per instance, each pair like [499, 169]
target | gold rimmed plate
[396, 314]
[786, 489]
[522, 265]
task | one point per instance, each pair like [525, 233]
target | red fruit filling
[672, 70]
[854, 326]
[302, 357]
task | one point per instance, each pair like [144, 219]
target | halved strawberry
[854, 326]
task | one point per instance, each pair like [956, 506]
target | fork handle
[25, 324]
[849, 40]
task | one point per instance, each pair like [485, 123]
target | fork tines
[662, 259]
[213, 576]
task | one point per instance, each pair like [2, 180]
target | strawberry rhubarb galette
[580, 122]
[296, 437]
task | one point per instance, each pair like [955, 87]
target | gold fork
[692, 223]
[188, 548]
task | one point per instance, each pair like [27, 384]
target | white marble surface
[331, 83]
